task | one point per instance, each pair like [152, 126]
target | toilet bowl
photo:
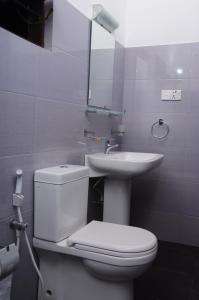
[93, 261]
[121, 252]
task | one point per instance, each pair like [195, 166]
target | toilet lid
[113, 239]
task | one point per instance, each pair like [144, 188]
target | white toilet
[78, 261]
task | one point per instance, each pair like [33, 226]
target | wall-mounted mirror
[101, 67]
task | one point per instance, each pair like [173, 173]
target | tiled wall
[43, 95]
[42, 117]
[165, 201]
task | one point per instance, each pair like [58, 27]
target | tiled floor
[173, 276]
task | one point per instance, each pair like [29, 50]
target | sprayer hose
[31, 253]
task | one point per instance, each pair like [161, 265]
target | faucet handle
[107, 142]
[110, 141]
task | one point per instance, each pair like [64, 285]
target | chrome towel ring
[160, 129]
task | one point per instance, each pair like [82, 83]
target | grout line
[160, 79]
[43, 97]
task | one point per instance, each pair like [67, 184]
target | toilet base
[65, 277]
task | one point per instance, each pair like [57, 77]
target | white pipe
[34, 263]
[30, 251]
[18, 234]
[19, 214]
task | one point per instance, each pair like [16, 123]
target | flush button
[64, 167]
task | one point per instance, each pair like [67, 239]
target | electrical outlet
[171, 95]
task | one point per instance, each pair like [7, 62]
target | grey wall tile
[7, 235]
[191, 193]
[117, 95]
[190, 96]
[169, 227]
[71, 30]
[17, 123]
[191, 125]
[145, 96]
[154, 197]
[130, 63]
[157, 62]
[173, 167]
[139, 129]
[57, 157]
[119, 64]
[61, 76]
[58, 124]
[168, 204]
[166, 227]
[17, 64]
[191, 164]
[189, 230]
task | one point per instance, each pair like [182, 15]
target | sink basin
[118, 169]
[127, 164]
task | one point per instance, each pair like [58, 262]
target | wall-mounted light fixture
[104, 18]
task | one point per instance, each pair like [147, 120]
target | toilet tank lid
[61, 174]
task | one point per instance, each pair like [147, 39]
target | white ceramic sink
[127, 164]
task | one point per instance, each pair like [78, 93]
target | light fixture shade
[102, 17]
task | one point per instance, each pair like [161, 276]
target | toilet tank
[60, 201]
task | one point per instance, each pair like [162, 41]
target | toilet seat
[107, 243]
[114, 240]
[111, 244]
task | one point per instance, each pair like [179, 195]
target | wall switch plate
[171, 95]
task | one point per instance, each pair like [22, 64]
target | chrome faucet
[109, 147]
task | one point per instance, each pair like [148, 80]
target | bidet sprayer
[19, 225]
[19, 183]
[18, 197]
